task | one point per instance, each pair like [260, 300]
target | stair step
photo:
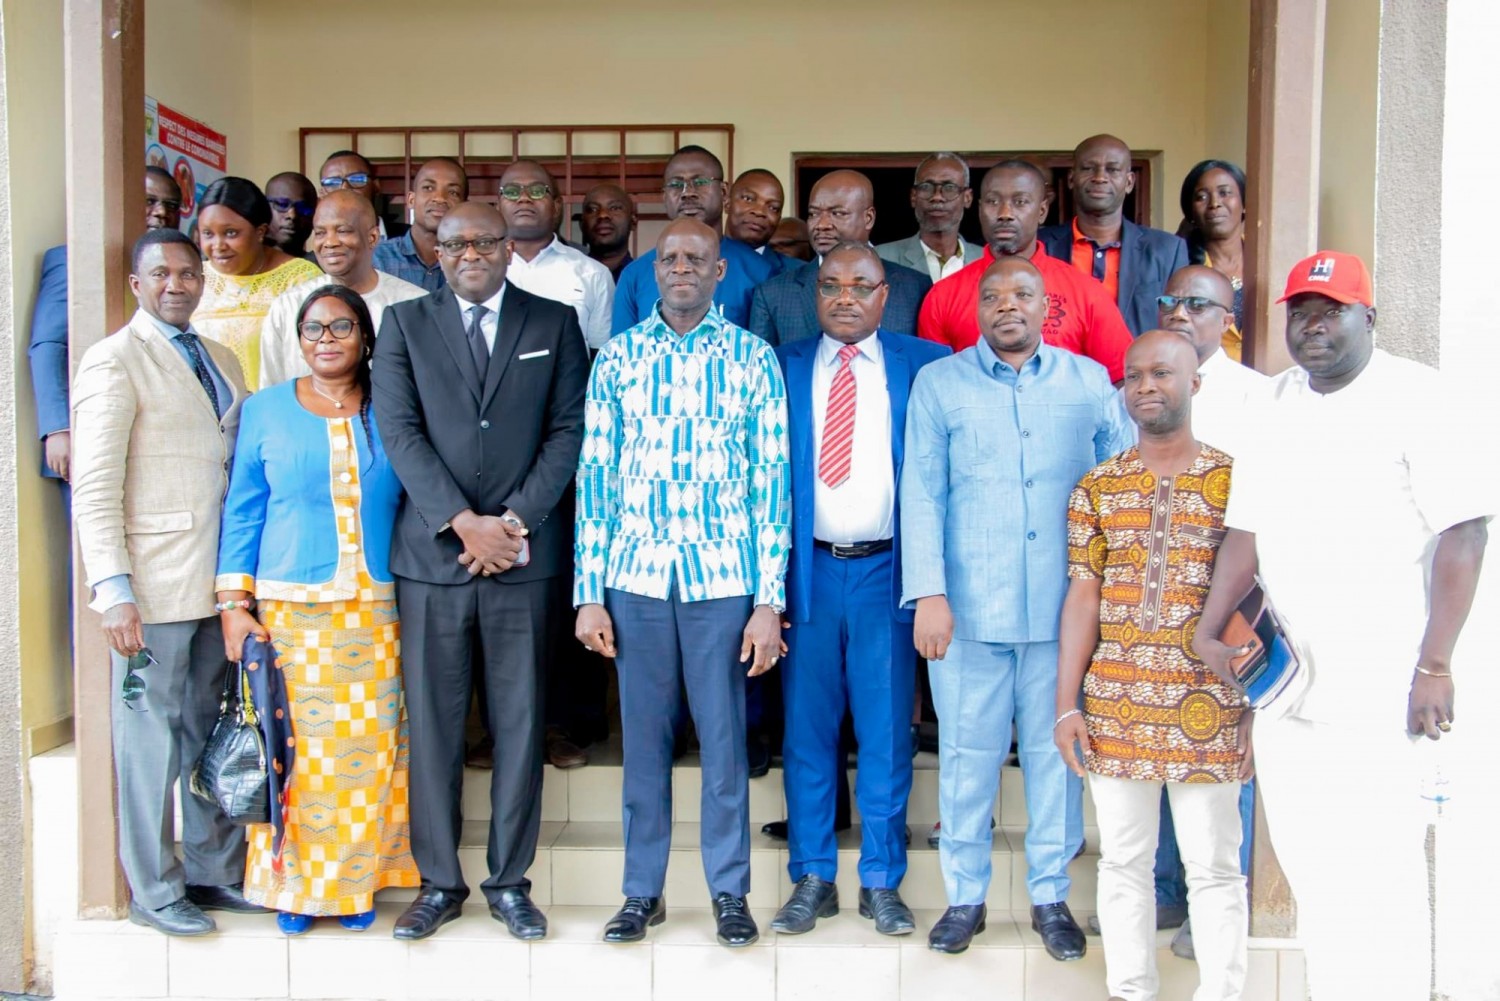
[473, 958]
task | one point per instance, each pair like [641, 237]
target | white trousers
[1207, 818]
[1346, 818]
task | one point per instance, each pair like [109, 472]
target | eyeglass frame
[357, 179]
[853, 291]
[683, 183]
[1187, 301]
[328, 327]
[933, 187]
[134, 664]
[530, 190]
[281, 204]
[445, 247]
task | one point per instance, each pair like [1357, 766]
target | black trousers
[448, 635]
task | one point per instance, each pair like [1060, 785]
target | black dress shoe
[631, 921]
[736, 926]
[430, 911]
[775, 829]
[957, 928]
[812, 898]
[181, 918]
[223, 898]
[1060, 933]
[514, 909]
[892, 916]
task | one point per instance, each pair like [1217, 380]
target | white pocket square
[533, 354]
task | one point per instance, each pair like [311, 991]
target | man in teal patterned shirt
[680, 556]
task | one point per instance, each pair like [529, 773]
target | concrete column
[104, 45]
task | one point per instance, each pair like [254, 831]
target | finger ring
[1445, 726]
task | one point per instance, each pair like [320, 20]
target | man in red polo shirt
[1081, 316]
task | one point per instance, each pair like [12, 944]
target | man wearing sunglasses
[840, 207]
[693, 188]
[940, 195]
[348, 169]
[344, 236]
[155, 409]
[292, 197]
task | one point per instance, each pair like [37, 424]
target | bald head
[688, 271]
[470, 214]
[840, 208]
[348, 205]
[344, 234]
[1202, 308]
[1101, 177]
[1012, 306]
[1161, 376]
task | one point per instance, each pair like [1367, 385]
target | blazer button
[484, 425]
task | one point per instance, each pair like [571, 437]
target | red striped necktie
[838, 423]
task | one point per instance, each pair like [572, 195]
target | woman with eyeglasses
[304, 556]
[1213, 213]
[241, 274]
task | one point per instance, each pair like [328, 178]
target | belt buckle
[844, 552]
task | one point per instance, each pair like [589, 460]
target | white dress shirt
[939, 269]
[281, 347]
[1346, 493]
[1224, 407]
[559, 272]
[489, 324]
[862, 508]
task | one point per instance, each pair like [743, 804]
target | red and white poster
[192, 152]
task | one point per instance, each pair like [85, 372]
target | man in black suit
[478, 392]
[840, 208]
[1133, 262]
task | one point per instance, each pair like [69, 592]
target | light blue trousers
[978, 689]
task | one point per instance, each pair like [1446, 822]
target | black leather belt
[854, 550]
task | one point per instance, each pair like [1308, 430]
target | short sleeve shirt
[1153, 709]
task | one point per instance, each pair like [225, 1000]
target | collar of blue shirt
[991, 365]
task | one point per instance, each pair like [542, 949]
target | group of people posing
[1034, 469]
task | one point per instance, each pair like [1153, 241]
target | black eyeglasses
[947, 189]
[358, 180]
[1195, 304]
[682, 183]
[285, 204]
[312, 330]
[536, 192]
[170, 204]
[862, 293]
[484, 244]
[133, 688]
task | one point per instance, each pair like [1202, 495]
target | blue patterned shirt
[684, 478]
[399, 257]
[992, 456]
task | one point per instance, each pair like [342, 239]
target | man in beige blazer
[155, 410]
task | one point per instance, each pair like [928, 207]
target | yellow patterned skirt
[347, 822]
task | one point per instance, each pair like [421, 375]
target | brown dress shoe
[562, 752]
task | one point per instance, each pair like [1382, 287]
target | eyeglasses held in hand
[133, 688]
[947, 189]
[1195, 304]
[484, 244]
[833, 290]
[699, 183]
[284, 204]
[536, 192]
[170, 204]
[358, 180]
[312, 330]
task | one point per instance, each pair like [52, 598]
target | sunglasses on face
[286, 204]
[312, 330]
[170, 204]
[484, 244]
[833, 290]
[1195, 304]
[347, 181]
[133, 688]
[698, 183]
[536, 192]
[947, 189]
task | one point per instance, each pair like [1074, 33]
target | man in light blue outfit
[996, 437]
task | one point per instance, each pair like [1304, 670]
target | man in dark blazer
[478, 392]
[1134, 262]
[840, 208]
[850, 643]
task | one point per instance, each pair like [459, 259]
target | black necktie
[200, 369]
[477, 347]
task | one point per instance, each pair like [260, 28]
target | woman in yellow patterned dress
[242, 273]
[306, 535]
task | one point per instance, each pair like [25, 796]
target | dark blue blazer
[49, 347]
[1147, 259]
[904, 357]
[785, 309]
[779, 262]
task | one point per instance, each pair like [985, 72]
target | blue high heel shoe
[357, 922]
[294, 924]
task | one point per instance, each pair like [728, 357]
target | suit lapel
[1130, 239]
[166, 357]
[449, 322]
[799, 367]
[513, 308]
[898, 383]
[808, 299]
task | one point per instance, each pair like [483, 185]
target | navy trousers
[853, 653]
[662, 646]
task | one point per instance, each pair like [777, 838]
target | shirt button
[1158, 535]
[1025, 434]
[1032, 536]
[1028, 483]
[1019, 387]
[345, 478]
[484, 425]
[1153, 584]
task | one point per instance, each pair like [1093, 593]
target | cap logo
[1322, 270]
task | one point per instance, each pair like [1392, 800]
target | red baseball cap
[1341, 277]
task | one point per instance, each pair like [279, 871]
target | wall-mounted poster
[189, 150]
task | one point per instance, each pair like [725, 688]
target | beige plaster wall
[198, 62]
[1351, 74]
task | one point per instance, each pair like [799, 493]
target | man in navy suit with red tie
[850, 644]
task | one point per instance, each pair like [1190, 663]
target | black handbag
[231, 771]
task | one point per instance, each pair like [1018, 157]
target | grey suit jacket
[908, 253]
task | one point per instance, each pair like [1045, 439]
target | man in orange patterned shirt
[1143, 532]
